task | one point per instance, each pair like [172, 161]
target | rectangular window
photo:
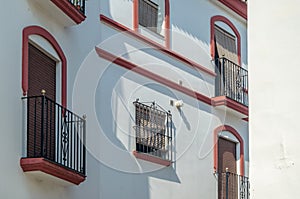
[148, 14]
[153, 130]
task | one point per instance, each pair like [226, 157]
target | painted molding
[237, 6]
[155, 45]
[37, 30]
[150, 158]
[70, 10]
[43, 165]
[135, 15]
[212, 34]
[216, 101]
[139, 70]
[216, 150]
[223, 100]
[167, 20]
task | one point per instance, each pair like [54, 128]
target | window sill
[150, 158]
[42, 168]
[152, 32]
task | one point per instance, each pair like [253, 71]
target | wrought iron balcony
[231, 81]
[233, 186]
[153, 131]
[79, 5]
[55, 135]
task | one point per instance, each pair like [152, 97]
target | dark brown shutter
[227, 159]
[225, 44]
[148, 14]
[41, 75]
[227, 155]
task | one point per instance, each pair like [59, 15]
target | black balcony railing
[55, 133]
[233, 186]
[79, 5]
[153, 130]
[231, 81]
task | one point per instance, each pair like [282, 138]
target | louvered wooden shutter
[226, 44]
[227, 159]
[42, 75]
[148, 14]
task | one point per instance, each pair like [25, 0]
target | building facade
[123, 99]
[274, 115]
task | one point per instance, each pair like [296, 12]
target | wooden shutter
[227, 159]
[225, 44]
[41, 75]
[148, 14]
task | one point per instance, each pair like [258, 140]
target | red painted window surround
[167, 20]
[155, 45]
[150, 158]
[240, 139]
[43, 165]
[70, 10]
[237, 6]
[212, 33]
[36, 30]
[139, 70]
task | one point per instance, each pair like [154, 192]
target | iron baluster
[231, 81]
[48, 133]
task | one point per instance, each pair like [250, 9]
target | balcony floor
[43, 168]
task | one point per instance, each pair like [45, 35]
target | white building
[124, 99]
[274, 132]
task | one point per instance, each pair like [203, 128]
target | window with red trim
[151, 14]
[153, 130]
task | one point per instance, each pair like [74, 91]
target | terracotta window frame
[219, 18]
[241, 143]
[37, 30]
[166, 19]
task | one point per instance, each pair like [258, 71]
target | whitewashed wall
[274, 112]
[105, 93]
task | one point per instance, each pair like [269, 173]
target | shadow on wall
[166, 173]
[108, 182]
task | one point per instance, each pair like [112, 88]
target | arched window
[28, 48]
[224, 39]
[226, 141]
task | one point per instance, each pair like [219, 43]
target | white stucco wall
[105, 92]
[274, 98]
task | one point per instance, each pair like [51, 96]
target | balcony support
[77, 15]
[42, 165]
